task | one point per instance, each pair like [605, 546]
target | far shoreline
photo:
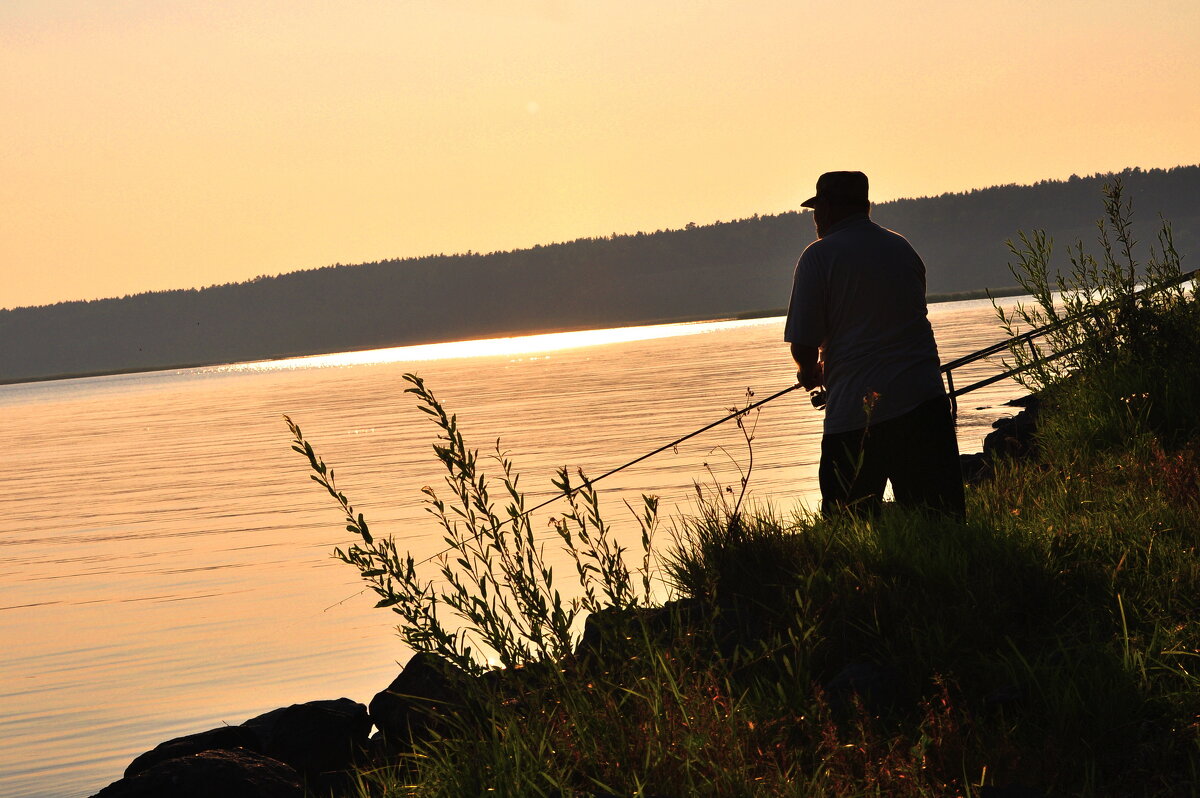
[959, 296]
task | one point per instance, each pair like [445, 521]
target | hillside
[705, 271]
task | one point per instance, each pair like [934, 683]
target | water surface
[165, 560]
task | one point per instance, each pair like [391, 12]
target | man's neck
[845, 221]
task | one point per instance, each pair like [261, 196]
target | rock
[1013, 437]
[376, 749]
[504, 684]
[226, 774]
[222, 738]
[315, 738]
[975, 467]
[1028, 400]
[607, 632]
[419, 701]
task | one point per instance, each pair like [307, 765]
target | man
[857, 325]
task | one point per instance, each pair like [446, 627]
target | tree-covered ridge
[701, 271]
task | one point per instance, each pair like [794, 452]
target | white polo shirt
[859, 295]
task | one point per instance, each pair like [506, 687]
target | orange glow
[169, 145]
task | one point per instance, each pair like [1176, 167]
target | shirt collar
[849, 220]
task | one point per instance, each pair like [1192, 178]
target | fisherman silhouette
[858, 327]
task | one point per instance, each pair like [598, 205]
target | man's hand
[811, 372]
[814, 378]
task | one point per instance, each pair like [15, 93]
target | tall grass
[1114, 320]
[1052, 641]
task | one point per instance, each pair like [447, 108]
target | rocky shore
[314, 746]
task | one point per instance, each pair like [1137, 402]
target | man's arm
[806, 318]
[811, 374]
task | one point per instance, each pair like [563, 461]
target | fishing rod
[816, 396]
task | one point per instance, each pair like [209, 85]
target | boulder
[975, 467]
[420, 701]
[610, 631]
[222, 738]
[1013, 437]
[227, 774]
[316, 737]
[521, 688]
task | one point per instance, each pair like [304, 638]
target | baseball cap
[843, 188]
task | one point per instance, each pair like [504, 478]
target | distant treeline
[724, 269]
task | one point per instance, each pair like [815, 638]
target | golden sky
[152, 144]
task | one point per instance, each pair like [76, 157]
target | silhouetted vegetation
[724, 269]
[1046, 646]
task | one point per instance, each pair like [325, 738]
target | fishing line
[818, 397]
[817, 400]
[589, 482]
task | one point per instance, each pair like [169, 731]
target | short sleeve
[806, 320]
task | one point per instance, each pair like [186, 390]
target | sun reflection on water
[508, 347]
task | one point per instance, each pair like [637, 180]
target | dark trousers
[917, 451]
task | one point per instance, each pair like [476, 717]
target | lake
[165, 561]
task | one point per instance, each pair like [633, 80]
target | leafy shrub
[497, 596]
[1119, 356]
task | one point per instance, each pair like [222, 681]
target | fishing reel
[818, 396]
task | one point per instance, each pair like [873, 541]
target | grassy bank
[1049, 645]
[1051, 642]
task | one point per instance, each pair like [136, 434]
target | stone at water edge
[315, 737]
[418, 701]
[1013, 437]
[222, 738]
[211, 774]
[607, 632]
